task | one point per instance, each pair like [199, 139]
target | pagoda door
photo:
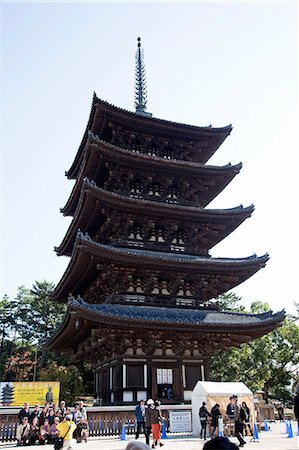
[166, 383]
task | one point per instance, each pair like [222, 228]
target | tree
[268, 363]
[71, 381]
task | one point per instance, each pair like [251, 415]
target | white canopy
[213, 392]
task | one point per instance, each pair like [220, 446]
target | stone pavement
[272, 440]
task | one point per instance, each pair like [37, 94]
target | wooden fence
[100, 424]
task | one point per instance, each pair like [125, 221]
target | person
[82, 410]
[44, 432]
[230, 409]
[51, 417]
[156, 421]
[62, 409]
[22, 434]
[247, 419]
[66, 429]
[215, 414]
[76, 416]
[34, 413]
[81, 432]
[140, 418]
[296, 405]
[220, 443]
[148, 426]
[239, 418]
[280, 411]
[203, 417]
[34, 431]
[43, 415]
[54, 432]
[133, 445]
[24, 412]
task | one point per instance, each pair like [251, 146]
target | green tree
[71, 381]
[268, 363]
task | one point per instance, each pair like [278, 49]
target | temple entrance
[167, 384]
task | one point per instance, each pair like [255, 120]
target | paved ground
[273, 440]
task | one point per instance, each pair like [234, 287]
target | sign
[36, 392]
[164, 376]
[180, 421]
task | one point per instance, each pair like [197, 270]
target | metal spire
[140, 82]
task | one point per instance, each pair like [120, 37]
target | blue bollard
[298, 431]
[266, 425]
[255, 432]
[290, 435]
[123, 436]
[220, 426]
[287, 427]
[163, 434]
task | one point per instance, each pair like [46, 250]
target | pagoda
[141, 285]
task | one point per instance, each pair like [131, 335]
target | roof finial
[140, 82]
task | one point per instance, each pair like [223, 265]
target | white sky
[207, 63]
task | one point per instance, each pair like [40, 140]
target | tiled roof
[179, 316]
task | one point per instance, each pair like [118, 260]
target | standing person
[35, 413]
[23, 432]
[82, 410]
[247, 419]
[296, 405]
[280, 411]
[148, 414]
[24, 412]
[230, 409]
[215, 414]
[239, 418]
[76, 415]
[66, 429]
[203, 417]
[43, 415]
[62, 409]
[140, 418]
[156, 421]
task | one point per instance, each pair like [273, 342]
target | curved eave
[93, 199]
[101, 109]
[158, 318]
[96, 152]
[87, 255]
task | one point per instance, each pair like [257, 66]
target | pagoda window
[193, 374]
[155, 189]
[135, 375]
[136, 187]
[173, 194]
[136, 233]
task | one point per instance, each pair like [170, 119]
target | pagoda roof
[95, 149]
[93, 200]
[103, 112]
[88, 255]
[204, 321]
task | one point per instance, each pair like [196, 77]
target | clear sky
[207, 63]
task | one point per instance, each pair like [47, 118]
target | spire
[140, 82]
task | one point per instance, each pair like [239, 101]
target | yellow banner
[35, 392]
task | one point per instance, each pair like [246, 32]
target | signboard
[164, 376]
[36, 392]
[180, 421]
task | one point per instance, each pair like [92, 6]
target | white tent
[212, 392]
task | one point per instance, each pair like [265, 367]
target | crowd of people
[236, 413]
[47, 424]
[149, 420]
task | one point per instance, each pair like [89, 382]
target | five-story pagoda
[141, 285]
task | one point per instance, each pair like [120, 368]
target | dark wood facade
[143, 305]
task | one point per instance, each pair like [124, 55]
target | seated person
[34, 431]
[23, 432]
[54, 432]
[81, 433]
[44, 432]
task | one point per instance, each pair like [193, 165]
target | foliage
[268, 363]
[71, 381]
[229, 302]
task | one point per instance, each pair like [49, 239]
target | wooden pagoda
[141, 285]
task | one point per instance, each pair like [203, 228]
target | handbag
[58, 444]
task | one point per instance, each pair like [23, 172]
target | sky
[206, 63]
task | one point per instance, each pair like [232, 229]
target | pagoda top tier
[126, 129]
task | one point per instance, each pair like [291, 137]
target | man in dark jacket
[239, 416]
[24, 412]
[296, 405]
[203, 417]
[140, 418]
